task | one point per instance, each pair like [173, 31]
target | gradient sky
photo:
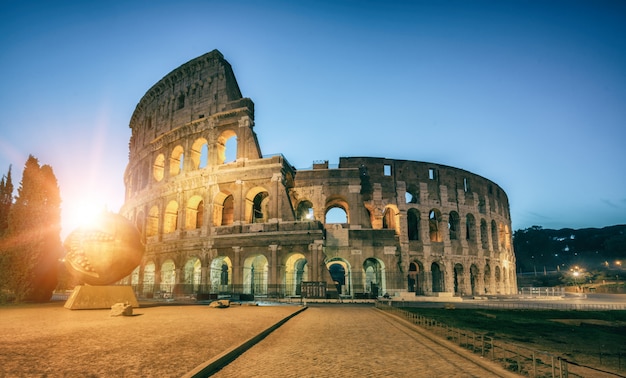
[529, 94]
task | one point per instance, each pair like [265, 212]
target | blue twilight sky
[530, 94]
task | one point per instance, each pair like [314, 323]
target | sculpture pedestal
[87, 297]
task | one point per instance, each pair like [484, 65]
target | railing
[516, 358]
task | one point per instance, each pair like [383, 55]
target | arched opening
[296, 271]
[168, 278]
[134, 278]
[374, 277]
[507, 238]
[336, 215]
[148, 278]
[494, 235]
[434, 227]
[158, 168]
[199, 153]
[454, 225]
[484, 237]
[338, 273]
[227, 147]
[497, 277]
[501, 237]
[474, 279]
[152, 226]
[170, 218]
[192, 275]
[470, 228]
[255, 275]
[228, 211]
[459, 281]
[140, 222]
[194, 213]
[176, 161]
[413, 224]
[221, 273]
[437, 278]
[412, 278]
[390, 219]
[304, 211]
[487, 280]
[257, 202]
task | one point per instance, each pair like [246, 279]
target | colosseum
[219, 218]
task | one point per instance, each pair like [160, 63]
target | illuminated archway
[296, 271]
[192, 275]
[221, 274]
[255, 275]
[168, 276]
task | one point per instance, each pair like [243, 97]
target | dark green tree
[6, 200]
[33, 239]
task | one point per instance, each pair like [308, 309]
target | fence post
[534, 365]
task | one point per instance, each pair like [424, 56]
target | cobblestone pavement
[351, 341]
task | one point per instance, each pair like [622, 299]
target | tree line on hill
[539, 250]
[30, 234]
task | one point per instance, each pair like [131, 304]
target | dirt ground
[162, 341]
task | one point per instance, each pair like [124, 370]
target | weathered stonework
[255, 225]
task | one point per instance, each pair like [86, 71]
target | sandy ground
[166, 341]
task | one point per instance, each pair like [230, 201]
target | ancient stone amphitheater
[220, 218]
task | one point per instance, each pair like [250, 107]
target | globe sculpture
[102, 253]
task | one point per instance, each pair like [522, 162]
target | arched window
[199, 153]
[152, 223]
[484, 236]
[227, 147]
[470, 228]
[176, 161]
[170, 218]
[437, 277]
[413, 224]
[434, 219]
[304, 212]
[389, 219]
[336, 215]
[454, 225]
[494, 235]
[158, 168]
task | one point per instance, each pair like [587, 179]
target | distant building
[254, 225]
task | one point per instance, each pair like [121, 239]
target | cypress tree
[33, 236]
[6, 200]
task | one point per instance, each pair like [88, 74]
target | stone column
[237, 273]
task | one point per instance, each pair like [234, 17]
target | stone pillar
[273, 265]
[237, 272]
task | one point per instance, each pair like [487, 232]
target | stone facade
[218, 217]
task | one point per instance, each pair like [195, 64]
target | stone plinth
[87, 297]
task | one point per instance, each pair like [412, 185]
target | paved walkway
[352, 341]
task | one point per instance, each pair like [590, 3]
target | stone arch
[194, 214]
[134, 277]
[412, 194]
[304, 211]
[484, 237]
[148, 277]
[225, 146]
[176, 160]
[474, 279]
[223, 209]
[158, 168]
[374, 277]
[192, 275]
[413, 224]
[168, 276]
[487, 279]
[501, 237]
[340, 273]
[255, 275]
[199, 153]
[494, 235]
[507, 238]
[434, 225]
[454, 225]
[391, 218]
[497, 279]
[437, 276]
[170, 218]
[296, 271]
[415, 278]
[152, 223]
[221, 273]
[459, 280]
[337, 203]
[470, 228]
[257, 201]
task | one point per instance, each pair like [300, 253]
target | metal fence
[515, 358]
